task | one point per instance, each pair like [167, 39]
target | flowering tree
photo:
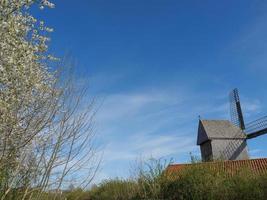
[43, 139]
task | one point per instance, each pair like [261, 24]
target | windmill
[227, 140]
[253, 129]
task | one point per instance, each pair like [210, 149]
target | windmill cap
[218, 129]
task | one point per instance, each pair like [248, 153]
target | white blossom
[25, 81]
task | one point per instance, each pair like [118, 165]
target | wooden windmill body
[227, 140]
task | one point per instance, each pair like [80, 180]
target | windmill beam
[235, 110]
[257, 133]
[240, 115]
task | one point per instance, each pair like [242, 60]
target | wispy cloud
[128, 105]
[254, 153]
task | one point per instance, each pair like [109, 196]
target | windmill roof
[218, 129]
[256, 166]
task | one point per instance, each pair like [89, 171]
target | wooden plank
[257, 133]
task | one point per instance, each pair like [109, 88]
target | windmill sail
[235, 146]
[235, 110]
[256, 128]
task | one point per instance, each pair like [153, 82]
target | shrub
[197, 182]
[115, 190]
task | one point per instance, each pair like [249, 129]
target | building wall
[206, 151]
[229, 149]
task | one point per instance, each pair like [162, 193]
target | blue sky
[158, 64]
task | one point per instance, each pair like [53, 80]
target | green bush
[197, 182]
[193, 183]
[115, 190]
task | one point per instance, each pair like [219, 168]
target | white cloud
[252, 106]
[149, 146]
[117, 106]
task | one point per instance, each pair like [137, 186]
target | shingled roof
[218, 129]
[257, 166]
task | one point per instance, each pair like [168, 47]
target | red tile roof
[257, 166]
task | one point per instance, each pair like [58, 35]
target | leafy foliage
[193, 183]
